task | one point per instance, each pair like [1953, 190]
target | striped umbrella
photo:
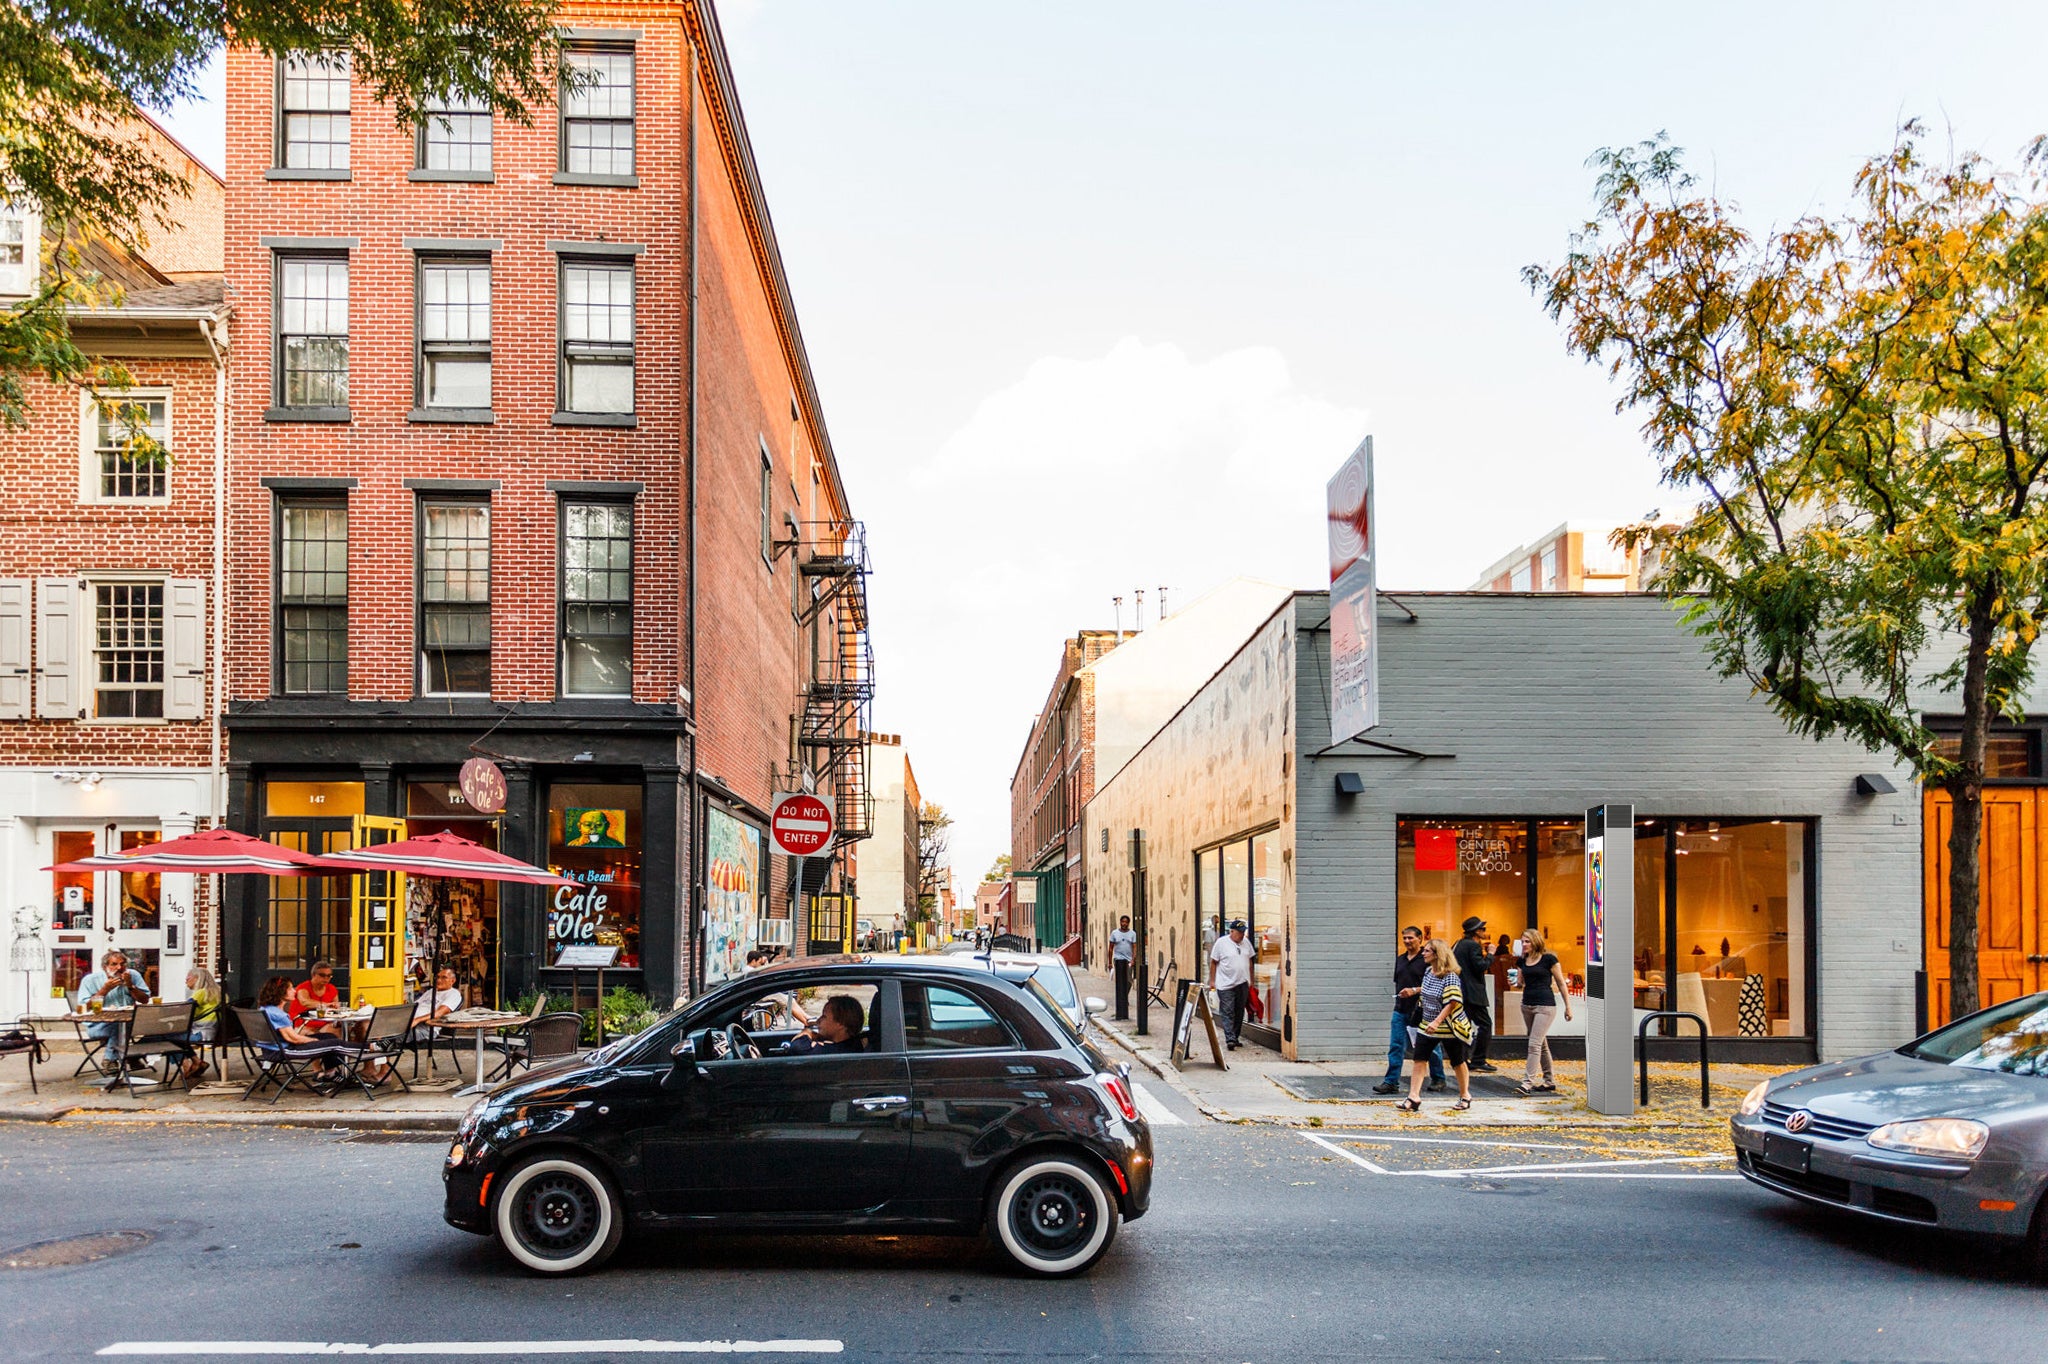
[447, 855]
[206, 852]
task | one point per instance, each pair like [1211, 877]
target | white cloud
[1084, 479]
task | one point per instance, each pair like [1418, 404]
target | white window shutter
[16, 610]
[184, 648]
[60, 633]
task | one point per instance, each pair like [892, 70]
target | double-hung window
[597, 111]
[597, 337]
[312, 107]
[128, 650]
[312, 331]
[454, 363]
[20, 251]
[597, 598]
[456, 136]
[312, 596]
[115, 424]
[455, 597]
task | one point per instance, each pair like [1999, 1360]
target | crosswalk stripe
[1156, 1113]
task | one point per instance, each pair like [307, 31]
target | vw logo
[1799, 1121]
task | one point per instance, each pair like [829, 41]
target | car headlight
[1933, 1137]
[1753, 1102]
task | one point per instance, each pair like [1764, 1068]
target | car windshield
[1058, 984]
[1036, 985]
[2011, 1037]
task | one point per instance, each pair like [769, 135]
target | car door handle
[875, 1103]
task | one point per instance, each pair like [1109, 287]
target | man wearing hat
[1230, 976]
[1475, 964]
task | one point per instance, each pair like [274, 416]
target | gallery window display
[1240, 879]
[1722, 906]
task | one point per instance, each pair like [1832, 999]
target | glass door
[135, 910]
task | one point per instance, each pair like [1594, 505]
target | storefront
[1778, 893]
[600, 808]
[63, 923]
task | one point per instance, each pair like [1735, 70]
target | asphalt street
[1264, 1244]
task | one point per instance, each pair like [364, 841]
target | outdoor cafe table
[478, 1021]
[80, 1018]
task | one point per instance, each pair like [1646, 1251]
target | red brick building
[528, 466]
[109, 602]
[1054, 779]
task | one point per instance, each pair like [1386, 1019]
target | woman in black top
[1544, 984]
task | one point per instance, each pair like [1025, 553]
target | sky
[1098, 295]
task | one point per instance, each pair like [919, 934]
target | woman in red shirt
[315, 993]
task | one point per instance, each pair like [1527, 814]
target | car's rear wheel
[558, 1214]
[1052, 1215]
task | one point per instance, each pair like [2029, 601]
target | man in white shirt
[1122, 951]
[445, 999]
[1230, 976]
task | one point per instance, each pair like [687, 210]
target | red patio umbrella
[206, 852]
[445, 855]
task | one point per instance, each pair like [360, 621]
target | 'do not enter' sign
[800, 825]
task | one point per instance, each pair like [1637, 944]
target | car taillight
[1121, 1092]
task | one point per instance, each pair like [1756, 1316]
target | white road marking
[477, 1347]
[1465, 1141]
[1334, 1149]
[1156, 1113]
[1583, 1169]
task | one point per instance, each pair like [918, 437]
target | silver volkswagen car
[1949, 1131]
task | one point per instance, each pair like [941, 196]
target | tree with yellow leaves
[1861, 401]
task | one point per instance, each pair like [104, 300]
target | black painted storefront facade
[390, 747]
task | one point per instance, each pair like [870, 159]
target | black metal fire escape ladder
[836, 704]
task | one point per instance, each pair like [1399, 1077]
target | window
[454, 365]
[594, 837]
[312, 331]
[597, 599]
[455, 598]
[1518, 578]
[457, 134]
[312, 595]
[115, 472]
[128, 651]
[1550, 581]
[2005, 755]
[597, 337]
[767, 507]
[20, 250]
[939, 1018]
[597, 111]
[313, 111]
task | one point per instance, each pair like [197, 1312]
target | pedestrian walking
[1543, 988]
[1230, 976]
[1409, 967]
[1475, 965]
[1442, 1024]
[1122, 949]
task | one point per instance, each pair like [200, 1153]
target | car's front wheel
[558, 1214]
[1052, 1215]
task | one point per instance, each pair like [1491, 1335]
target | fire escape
[832, 733]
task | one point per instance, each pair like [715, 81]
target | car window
[792, 1008]
[1058, 984]
[939, 1018]
[1053, 1010]
[2011, 1037]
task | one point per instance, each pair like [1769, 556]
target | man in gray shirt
[1122, 945]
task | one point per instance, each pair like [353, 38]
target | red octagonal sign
[801, 825]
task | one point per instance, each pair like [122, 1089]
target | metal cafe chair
[24, 1040]
[157, 1032]
[547, 1038]
[425, 1037]
[276, 1061]
[383, 1040]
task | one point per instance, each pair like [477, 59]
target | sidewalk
[1261, 1086]
[433, 1106]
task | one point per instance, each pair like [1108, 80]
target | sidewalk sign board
[1191, 1000]
[580, 957]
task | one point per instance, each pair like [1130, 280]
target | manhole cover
[76, 1250]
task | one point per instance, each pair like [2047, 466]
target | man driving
[836, 1031]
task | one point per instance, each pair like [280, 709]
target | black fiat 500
[844, 1095]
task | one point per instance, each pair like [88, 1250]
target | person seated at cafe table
[271, 1000]
[315, 992]
[445, 999]
[114, 986]
[837, 1030]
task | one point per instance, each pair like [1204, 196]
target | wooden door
[2011, 934]
[377, 919]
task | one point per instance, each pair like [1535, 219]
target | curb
[1144, 1057]
[358, 1122]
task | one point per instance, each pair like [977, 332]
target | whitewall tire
[558, 1214]
[1052, 1215]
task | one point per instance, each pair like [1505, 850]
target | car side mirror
[1094, 1005]
[682, 1063]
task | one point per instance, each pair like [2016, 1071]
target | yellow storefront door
[377, 923]
[2011, 933]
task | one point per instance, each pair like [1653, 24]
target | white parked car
[1049, 969]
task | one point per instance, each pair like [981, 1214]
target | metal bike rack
[1643, 1055]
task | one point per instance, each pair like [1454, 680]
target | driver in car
[837, 1030]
